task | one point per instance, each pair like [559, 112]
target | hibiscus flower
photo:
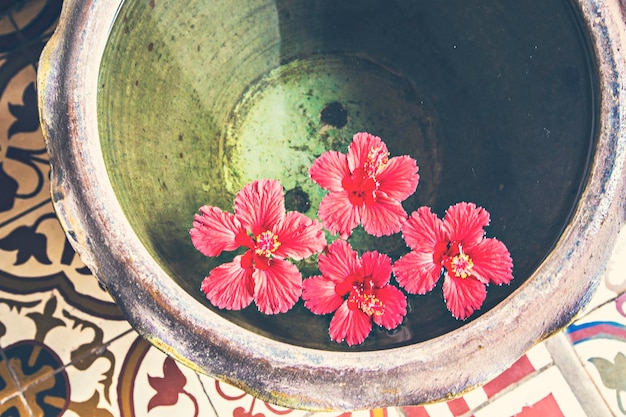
[263, 273]
[456, 248]
[357, 290]
[366, 187]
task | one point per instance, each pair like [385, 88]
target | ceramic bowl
[152, 109]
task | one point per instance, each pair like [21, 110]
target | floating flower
[457, 247]
[366, 187]
[263, 273]
[357, 290]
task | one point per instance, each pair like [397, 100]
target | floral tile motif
[231, 401]
[86, 386]
[25, 26]
[34, 253]
[152, 384]
[23, 159]
[40, 334]
[149, 383]
[36, 256]
[599, 339]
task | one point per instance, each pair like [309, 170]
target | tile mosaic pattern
[599, 339]
[65, 349]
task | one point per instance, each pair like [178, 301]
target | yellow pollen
[266, 243]
[462, 265]
[371, 305]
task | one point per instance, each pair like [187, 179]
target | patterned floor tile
[41, 334]
[568, 362]
[36, 256]
[88, 387]
[152, 384]
[29, 13]
[9, 387]
[231, 401]
[132, 378]
[14, 407]
[23, 159]
[25, 26]
[148, 383]
[159, 386]
[545, 394]
[535, 360]
[599, 339]
[46, 321]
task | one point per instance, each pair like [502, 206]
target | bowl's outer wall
[288, 375]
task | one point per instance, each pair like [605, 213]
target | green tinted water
[496, 102]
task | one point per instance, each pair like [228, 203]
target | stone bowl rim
[294, 376]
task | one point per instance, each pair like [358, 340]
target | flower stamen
[376, 160]
[266, 243]
[461, 265]
[371, 305]
[365, 301]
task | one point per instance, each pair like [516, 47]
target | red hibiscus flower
[366, 187]
[357, 290]
[271, 236]
[457, 247]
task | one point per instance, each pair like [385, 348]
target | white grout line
[579, 381]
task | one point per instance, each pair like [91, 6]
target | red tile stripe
[417, 411]
[458, 406]
[515, 373]
[543, 408]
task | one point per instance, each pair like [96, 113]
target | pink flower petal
[215, 231]
[384, 217]
[260, 205]
[376, 266]
[395, 307]
[416, 272]
[339, 261]
[319, 295]
[463, 296]
[492, 262]
[359, 149]
[229, 286]
[299, 236]
[399, 178]
[338, 214]
[277, 288]
[329, 170]
[423, 230]
[353, 326]
[465, 223]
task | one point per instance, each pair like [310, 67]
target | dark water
[495, 100]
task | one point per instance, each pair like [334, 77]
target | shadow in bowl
[496, 102]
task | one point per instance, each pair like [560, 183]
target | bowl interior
[496, 102]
